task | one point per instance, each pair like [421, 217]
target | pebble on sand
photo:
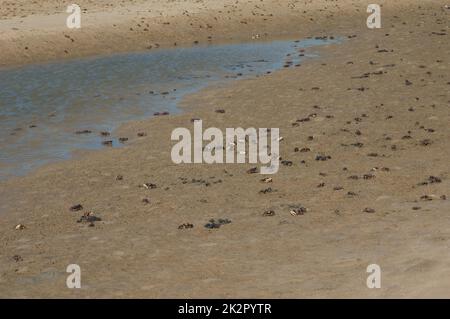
[298, 211]
[76, 208]
[83, 132]
[149, 185]
[268, 213]
[89, 217]
[107, 143]
[214, 224]
[17, 258]
[186, 226]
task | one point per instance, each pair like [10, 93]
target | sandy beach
[365, 150]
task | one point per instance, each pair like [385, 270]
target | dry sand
[378, 105]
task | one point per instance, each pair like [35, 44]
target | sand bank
[378, 106]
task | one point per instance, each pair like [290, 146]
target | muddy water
[42, 106]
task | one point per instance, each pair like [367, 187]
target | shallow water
[42, 106]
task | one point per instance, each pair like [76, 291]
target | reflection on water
[42, 106]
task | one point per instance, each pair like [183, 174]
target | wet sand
[377, 105]
[38, 118]
[35, 33]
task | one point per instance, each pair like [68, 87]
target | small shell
[19, 227]
[298, 211]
